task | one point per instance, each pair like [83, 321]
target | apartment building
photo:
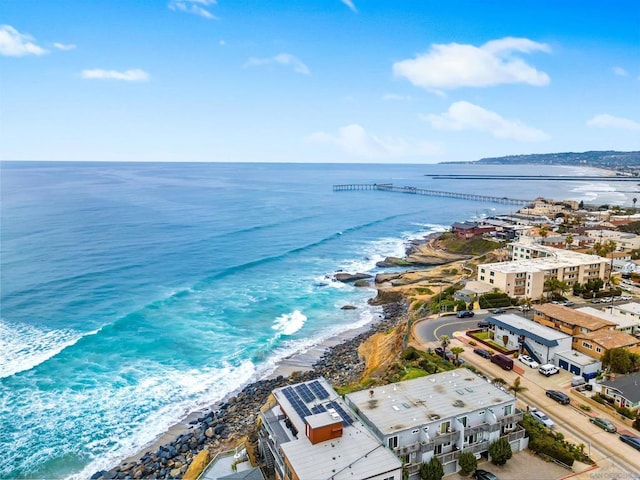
[568, 320]
[307, 432]
[625, 242]
[439, 415]
[595, 344]
[525, 277]
[617, 315]
[538, 341]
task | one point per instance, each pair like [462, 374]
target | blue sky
[316, 80]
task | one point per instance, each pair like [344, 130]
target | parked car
[528, 361]
[464, 314]
[483, 324]
[577, 381]
[604, 424]
[631, 440]
[439, 351]
[567, 304]
[503, 361]
[482, 352]
[542, 418]
[548, 369]
[524, 308]
[484, 475]
[498, 310]
[558, 397]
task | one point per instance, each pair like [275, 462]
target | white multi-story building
[618, 314]
[439, 415]
[533, 264]
[307, 432]
[625, 242]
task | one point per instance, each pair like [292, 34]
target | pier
[389, 187]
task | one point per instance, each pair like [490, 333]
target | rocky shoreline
[219, 428]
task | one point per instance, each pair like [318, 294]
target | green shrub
[468, 462]
[411, 354]
[500, 451]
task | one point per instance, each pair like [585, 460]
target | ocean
[135, 293]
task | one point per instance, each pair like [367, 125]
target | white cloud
[135, 75]
[457, 65]
[349, 3]
[604, 120]
[16, 44]
[354, 140]
[283, 59]
[395, 96]
[196, 7]
[467, 116]
[64, 46]
[621, 72]
[222, 43]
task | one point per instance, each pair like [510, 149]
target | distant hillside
[605, 159]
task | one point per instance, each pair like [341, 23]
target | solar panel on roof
[318, 409]
[346, 419]
[319, 391]
[305, 393]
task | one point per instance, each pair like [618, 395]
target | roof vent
[458, 403]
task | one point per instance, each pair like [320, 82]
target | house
[623, 389]
[466, 230]
[439, 415]
[631, 309]
[596, 343]
[568, 320]
[522, 334]
[625, 323]
[307, 431]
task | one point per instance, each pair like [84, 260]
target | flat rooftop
[529, 328]
[412, 403]
[578, 358]
[632, 308]
[357, 454]
[611, 315]
[542, 264]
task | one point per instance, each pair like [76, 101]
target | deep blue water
[132, 294]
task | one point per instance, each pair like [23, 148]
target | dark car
[464, 314]
[498, 310]
[439, 351]
[484, 475]
[558, 397]
[482, 352]
[631, 440]
[483, 324]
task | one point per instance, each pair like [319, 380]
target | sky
[352, 81]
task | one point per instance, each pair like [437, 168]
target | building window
[463, 420]
[598, 350]
[445, 427]
[508, 409]
[416, 431]
[491, 280]
[587, 345]
[393, 442]
[492, 273]
[390, 478]
[481, 277]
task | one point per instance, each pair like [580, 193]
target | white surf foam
[289, 323]
[23, 347]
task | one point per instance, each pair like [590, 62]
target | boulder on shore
[350, 277]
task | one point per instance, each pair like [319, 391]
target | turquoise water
[133, 294]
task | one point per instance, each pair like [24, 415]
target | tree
[569, 240]
[432, 470]
[444, 341]
[499, 382]
[457, 351]
[500, 451]
[634, 200]
[544, 231]
[516, 388]
[618, 360]
[468, 462]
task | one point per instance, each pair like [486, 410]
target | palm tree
[445, 341]
[634, 202]
[569, 240]
[499, 382]
[516, 388]
[457, 351]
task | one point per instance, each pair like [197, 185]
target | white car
[528, 361]
[542, 418]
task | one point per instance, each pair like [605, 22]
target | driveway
[522, 466]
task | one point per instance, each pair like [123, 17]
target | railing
[448, 457]
[513, 418]
[513, 436]
[441, 438]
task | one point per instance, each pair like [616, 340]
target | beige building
[526, 277]
[625, 242]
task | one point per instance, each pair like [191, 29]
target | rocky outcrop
[351, 277]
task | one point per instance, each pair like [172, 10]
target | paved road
[430, 330]
[605, 448]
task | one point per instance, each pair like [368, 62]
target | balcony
[448, 457]
[513, 418]
[515, 435]
[483, 427]
[442, 438]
